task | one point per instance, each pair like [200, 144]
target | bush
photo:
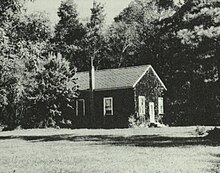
[53, 90]
[35, 92]
[200, 131]
[134, 122]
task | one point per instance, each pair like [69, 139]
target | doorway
[151, 112]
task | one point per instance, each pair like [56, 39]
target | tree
[121, 41]
[24, 66]
[34, 88]
[69, 33]
[174, 38]
[94, 38]
[74, 40]
[16, 66]
[194, 27]
[9, 12]
[10, 85]
[134, 38]
[69, 29]
[34, 27]
[51, 90]
[93, 44]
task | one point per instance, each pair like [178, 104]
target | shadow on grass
[138, 140]
[215, 163]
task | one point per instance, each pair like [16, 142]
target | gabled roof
[110, 79]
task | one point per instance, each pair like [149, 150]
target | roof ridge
[120, 68]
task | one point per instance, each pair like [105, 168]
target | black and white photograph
[109, 86]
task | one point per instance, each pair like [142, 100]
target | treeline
[180, 40]
[37, 85]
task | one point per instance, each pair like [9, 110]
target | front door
[151, 112]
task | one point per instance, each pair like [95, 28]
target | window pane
[108, 106]
[160, 105]
[141, 100]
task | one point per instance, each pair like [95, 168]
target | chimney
[92, 87]
[93, 77]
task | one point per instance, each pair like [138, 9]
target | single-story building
[118, 94]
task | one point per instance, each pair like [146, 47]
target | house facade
[118, 94]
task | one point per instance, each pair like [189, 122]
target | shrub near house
[52, 92]
[43, 94]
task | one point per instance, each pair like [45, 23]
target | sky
[112, 8]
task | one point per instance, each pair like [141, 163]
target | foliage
[11, 88]
[133, 38]
[200, 131]
[34, 27]
[69, 33]
[121, 44]
[53, 88]
[78, 42]
[94, 39]
[34, 88]
[196, 49]
[174, 38]
[9, 12]
[180, 40]
[69, 30]
[132, 121]
[136, 122]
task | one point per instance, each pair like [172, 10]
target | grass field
[170, 150]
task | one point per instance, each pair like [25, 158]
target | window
[160, 105]
[141, 100]
[80, 107]
[108, 106]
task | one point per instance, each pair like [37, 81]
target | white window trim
[77, 107]
[160, 103]
[104, 99]
[143, 109]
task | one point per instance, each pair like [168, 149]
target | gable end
[150, 67]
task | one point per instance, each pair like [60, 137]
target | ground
[154, 150]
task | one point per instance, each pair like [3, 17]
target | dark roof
[109, 79]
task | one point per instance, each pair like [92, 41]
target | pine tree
[69, 33]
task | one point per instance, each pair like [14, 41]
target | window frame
[141, 110]
[160, 104]
[104, 105]
[77, 107]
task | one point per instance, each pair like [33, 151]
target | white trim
[77, 107]
[150, 67]
[141, 110]
[141, 76]
[104, 99]
[158, 78]
[160, 106]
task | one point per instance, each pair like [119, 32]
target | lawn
[152, 150]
